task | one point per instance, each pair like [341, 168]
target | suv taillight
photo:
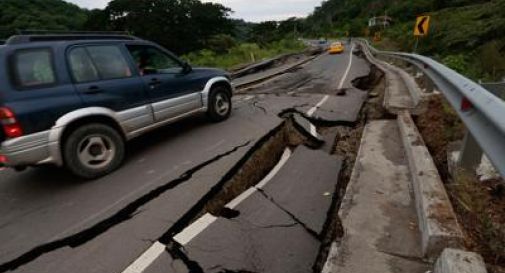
[10, 124]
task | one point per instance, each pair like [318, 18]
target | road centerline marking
[347, 69]
[146, 259]
[313, 129]
[284, 158]
[190, 232]
[202, 223]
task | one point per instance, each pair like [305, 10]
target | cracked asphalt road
[51, 222]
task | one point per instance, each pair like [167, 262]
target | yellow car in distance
[336, 48]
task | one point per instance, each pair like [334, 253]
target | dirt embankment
[480, 206]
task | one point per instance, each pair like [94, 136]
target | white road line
[313, 129]
[190, 232]
[347, 70]
[194, 229]
[284, 158]
[243, 196]
[319, 104]
[146, 259]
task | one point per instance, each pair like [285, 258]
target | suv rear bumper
[27, 150]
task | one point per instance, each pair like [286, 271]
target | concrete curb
[459, 261]
[393, 77]
[437, 221]
[415, 92]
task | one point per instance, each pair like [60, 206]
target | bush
[221, 43]
[242, 54]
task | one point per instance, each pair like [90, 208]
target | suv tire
[219, 104]
[93, 150]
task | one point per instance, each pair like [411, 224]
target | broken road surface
[52, 223]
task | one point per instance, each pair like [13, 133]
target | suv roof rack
[28, 36]
[68, 32]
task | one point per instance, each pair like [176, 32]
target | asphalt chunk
[305, 186]
[264, 238]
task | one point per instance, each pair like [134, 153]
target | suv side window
[81, 66]
[109, 62]
[150, 60]
[34, 68]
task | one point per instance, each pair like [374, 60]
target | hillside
[467, 35]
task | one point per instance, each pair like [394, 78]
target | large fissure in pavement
[176, 251]
[246, 173]
[103, 226]
[249, 170]
[347, 132]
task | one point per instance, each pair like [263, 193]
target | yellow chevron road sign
[422, 26]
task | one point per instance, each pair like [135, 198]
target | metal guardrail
[482, 112]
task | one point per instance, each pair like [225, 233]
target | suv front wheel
[219, 104]
[93, 150]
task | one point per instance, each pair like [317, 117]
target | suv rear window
[33, 68]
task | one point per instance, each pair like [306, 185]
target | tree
[265, 33]
[39, 15]
[180, 25]
[291, 27]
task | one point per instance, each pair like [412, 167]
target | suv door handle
[93, 90]
[154, 82]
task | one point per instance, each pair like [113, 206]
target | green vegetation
[468, 39]
[243, 53]
[182, 26]
[39, 14]
[202, 31]
[466, 35]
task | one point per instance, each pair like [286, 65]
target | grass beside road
[242, 54]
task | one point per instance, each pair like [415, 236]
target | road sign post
[416, 44]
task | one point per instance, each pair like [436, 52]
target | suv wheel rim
[222, 104]
[96, 152]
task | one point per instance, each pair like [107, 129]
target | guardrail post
[471, 154]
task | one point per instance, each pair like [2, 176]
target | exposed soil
[440, 126]
[480, 206]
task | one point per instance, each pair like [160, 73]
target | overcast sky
[250, 10]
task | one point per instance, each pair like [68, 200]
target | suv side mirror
[186, 68]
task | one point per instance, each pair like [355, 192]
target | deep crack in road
[102, 222]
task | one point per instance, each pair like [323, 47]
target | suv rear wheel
[219, 104]
[93, 150]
